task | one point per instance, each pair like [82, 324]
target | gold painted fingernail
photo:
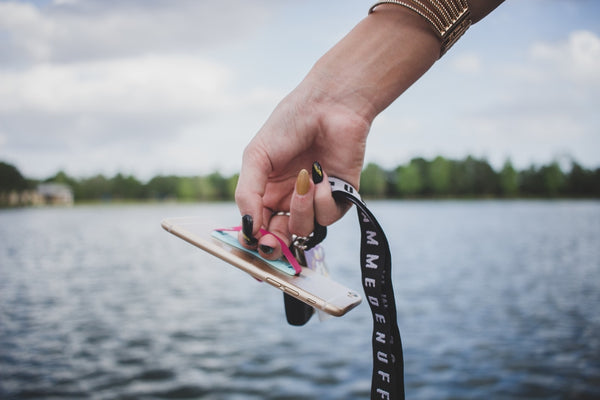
[303, 182]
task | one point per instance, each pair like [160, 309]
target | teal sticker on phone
[230, 239]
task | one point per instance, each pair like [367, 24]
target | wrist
[332, 105]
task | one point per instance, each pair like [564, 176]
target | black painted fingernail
[247, 223]
[266, 249]
[317, 172]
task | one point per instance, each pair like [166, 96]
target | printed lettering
[365, 218]
[370, 259]
[380, 337]
[384, 300]
[384, 376]
[380, 318]
[374, 301]
[371, 238]
[370, 282]
[384, 394]
[383, 357]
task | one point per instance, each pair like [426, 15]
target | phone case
[309, 286]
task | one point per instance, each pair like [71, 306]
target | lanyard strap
[387, 381]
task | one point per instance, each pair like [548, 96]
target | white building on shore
[46, 194]
[55, 194]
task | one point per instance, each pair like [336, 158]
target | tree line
[472, 177]
[420, 178]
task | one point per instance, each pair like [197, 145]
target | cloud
[90, 85]
[68, 31]
[95, 102]
[576, 59]
[543, 105]
[558, 78]
[126, 112]
[143, 84]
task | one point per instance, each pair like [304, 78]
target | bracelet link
[449, 18]
[455, 31]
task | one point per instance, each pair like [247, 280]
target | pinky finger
[327, 209]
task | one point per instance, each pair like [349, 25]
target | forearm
[374, 63]
[378, 60]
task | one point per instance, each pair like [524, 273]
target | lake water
[496, 299]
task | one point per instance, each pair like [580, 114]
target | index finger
[251, 185]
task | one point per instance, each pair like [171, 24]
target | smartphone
[310, 287]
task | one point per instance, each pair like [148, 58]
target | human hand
[300, 131]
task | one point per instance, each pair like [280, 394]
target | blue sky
[179, 87]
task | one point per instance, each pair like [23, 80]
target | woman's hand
[305, 127]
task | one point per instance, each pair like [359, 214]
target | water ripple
[495, 300]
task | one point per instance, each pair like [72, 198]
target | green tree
[11, 179]
[62, 177]
[408, 180]
[422, 165]
[373, 181]
[596, 183]
[231, 185]
[126, 187]
[206, 190]
[473, 177]
[162, 187]
[439, 176]
[188, 188]
[96, 187]
[553, 179]
[509, 182]
[530, 182]
[579, 181]
[220, 186]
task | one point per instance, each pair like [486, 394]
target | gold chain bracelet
[449, 18]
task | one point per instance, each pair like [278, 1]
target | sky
[149, 87]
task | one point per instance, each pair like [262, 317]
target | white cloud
[144, 84]
[75, 31]
[23, 26]
[532, 108]
[545, 104]
[576, 59]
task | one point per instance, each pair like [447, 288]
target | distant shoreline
[420, 179]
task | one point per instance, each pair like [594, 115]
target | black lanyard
[387, 381]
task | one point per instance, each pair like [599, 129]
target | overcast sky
[150, 87]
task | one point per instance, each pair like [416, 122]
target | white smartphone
[309, 286]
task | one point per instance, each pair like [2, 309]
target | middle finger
[302, 213]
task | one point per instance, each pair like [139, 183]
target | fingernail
[303, 182]
[247, 223]
[317, 172]
[266, 249]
